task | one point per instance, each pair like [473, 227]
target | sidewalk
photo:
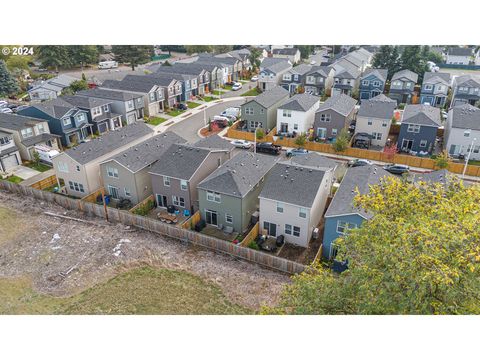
[38, 177]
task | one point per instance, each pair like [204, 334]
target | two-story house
[198, 70]
[129, 105]
[435, 88]
[64, 119]
[27, 133]
[402, 86]
[294, 79]
[459, 55]
[418, 129]
[261, 112]
[346, 78]
[296, 114]
[372, 83]
[99, 113]
[319, 80]
[291, 54]
[272, 75]
[49, 89]
[216, 142]
[78, 169]
[375, 118]
[462, 131]
[333, 115]
[466, 90]
[178, 172]
[293, 200]
[9, 155]
[126, 175]
[172, 88]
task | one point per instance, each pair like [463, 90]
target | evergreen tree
[83, 54]
[8, 84]
[55, 56]
[133, 54]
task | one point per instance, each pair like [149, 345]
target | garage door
[10, 162]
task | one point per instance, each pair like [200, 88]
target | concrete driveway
[24, 172]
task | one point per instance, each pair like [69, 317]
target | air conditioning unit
[316, 233]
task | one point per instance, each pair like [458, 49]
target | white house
[50, 89]
[297, 114]
[459, 55]
[271, 72]
[292, 54]
[463, 129]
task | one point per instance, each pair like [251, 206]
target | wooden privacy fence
[159, 227]
[92, 197]
[45, 183]
[142, 203]
[251, 236]
[191, 221]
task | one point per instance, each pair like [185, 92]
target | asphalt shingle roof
[300, 102]
[301, 69]
[85, 102]
[214, 142]
[343, 104]
[466, 116]
[421, 114]
[131, 84]
[460, 51]
[312, 160]
[439, 176]
[436, 77]
[239, 175]
[56, 108]
[360, 178]
[108, 94]
[147, 152]
[39, 138]
[269, 61]
[278, 67]
[112, 140]
[17, 122]
[285, 51]
[407, 74]
[271, 97]
[468, 80]
[379, 73]
[380, 106]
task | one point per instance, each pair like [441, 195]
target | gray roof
[147, 152]
[278, 67]
[323, 70]
[301, 69]
[466, 116]
[379, 73]
[85, 102]
[56, 108]
[421, 114]
[194, 68]
[292, 184]
[269, 61]
[357, 178]
[214, 142]
[180, 161]
[271, 97]
[407, 74]
[300, 102]
[459, 51]
[436, 77]
[38, 139]
[9, 150]
[439, 176]
[108, 94]
[239, 175]
[112, 140]
[129, 83]
[343, 104]
[312, 160]
[380, 106]
[17, 122]
[468, 80]
[57, 83]
[285, 51]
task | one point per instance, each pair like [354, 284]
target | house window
[62, 167]
[112, 172]
[105, 108]
[423, 143]
[334, 132]
[413, 128]
[76, 186]
[78, 167]
[229, 218]
[343, 226]
[113, 191]
[365, 82]
[213, 196]
[296, 231]
[288, 229]
[41, 128]
[287, 113]
[96, 111]
[183, 184]
[152, 96]
[302, 212]
[384, 124]
[377, 136]
[26, 133]
[249, 111]
[295, 126]
[279, 207]
[376, 83]
[66, 121]
[255, 124]
[127, 192]
[407, 84]
[397, 83]
[178, 201]
[80, 117]
[325, 117]
[287, 77]
[466, 133]
[166, 181]
[370, 122]
[428, 87]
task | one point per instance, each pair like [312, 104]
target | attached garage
[10, 161]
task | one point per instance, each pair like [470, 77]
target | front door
[113, 191]
[407, 145]
[322, 133]
[211, 217]
[271, 228]
[161, 201]
[283, 127]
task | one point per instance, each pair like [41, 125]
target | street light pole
[468, 158]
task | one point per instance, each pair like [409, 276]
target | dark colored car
[359, 162]
[362, 140]
[396, 169]
[181, 106]
[268, 148]
[230, 83]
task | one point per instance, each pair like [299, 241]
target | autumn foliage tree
[419, 254]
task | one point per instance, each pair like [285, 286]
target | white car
[243, 144]
[6, 110]
[3, 104]
[254, 78]
[236, 86]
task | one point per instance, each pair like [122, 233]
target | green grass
[14, 179]
[252, 92]
[217, 92]
[208, 98]
[138, 291]
[474, 162]
[192, 105]
[155, 120]
[174, 112]
[39, 167]
[227, 87]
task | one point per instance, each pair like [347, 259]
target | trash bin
[107, 199]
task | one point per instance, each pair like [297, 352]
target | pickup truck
[268, 148]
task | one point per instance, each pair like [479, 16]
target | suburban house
[372, 83]
[99, 113]
[334, 115]
[78, 169]
[153, 95]
[402, 86]
[233, 66]
[346, 79]
[193, 68]
[319, 80]
[435, 88]
[50, 89]
[261, 111]
[177, 173]
[341, 214]
[129, 105]
[271, 76]
[375, 117]
[463, 129]
[126, 175]
[418, 129]
[9, 155]
[459, 55]
[229, 195]
[294, 79]
[296, 114]
[293, 200]
[186, 82]
[291, 54]
[242, 55]
[314, 160]
[172, 88]
[215, 142]
[27, 133]
[466, 90]
[64, 119]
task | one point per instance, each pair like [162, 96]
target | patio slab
[24, 172]
[220, 234]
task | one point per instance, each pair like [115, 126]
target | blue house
[342, 215]
[64, 119]
[418, 130]
[372, 83]
[435, 88]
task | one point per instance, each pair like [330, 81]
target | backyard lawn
[252, 92]
[192, 105]
[155, 120]
[14, 179]
[39, 167]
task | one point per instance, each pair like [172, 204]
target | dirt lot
[64, 257]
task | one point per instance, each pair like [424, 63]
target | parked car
[21, 107]
[231, 118]
[234, 111]
[3, 104]
[181, 106]
[243, 144]
[396, 169]
[237, 86]
[221, 121]
[6, 110]
[362, 140]
[359, 162]
[268, 148]
[254, 78]
[295, 152]
[230, 83]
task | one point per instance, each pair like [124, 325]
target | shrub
[342, 141]
[145, 208]
[301, 140]
[253, 245]
[442, 160]
[260, 133]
